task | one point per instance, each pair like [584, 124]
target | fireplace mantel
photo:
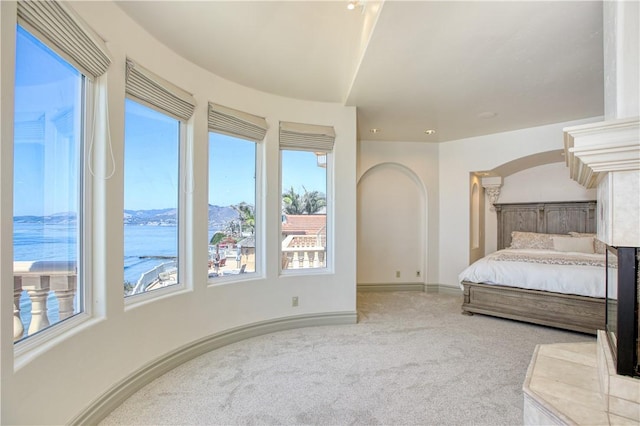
[607, 155]
[596, 148]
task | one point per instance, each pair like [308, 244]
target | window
[151, 196]
[57, 60]
[47, 186]
[305, 158]
[155, 116]
[233, 169]
[232, 200]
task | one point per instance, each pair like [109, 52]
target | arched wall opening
[541, 177]
[476, 218]
[392, 201]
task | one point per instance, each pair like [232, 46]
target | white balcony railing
[38, 280]
[302, 251]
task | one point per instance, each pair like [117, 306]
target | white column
[37, 288]
[64, 287]
[18, 328]
[492, 185]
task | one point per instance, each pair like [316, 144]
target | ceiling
[461, 68]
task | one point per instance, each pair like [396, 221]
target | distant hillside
[218, 217]
[57, 218]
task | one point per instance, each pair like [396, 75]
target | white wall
[55, 381]
[460, 157]
[549, 182]
[382, 167]
[391, 226]
[621, 20]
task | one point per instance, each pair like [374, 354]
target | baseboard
[427, 288]
[443, 289]
[118, 393]
[391, 287]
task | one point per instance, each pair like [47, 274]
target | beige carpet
[412, 359]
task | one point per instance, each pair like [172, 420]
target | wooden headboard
[545, 218]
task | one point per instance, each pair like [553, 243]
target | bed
[529, 279]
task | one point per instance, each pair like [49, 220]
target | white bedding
[584, 280]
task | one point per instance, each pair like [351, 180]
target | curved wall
[54, 382]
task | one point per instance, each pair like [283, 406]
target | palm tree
[292, 202]
[313, 201]
[247, 216]
[310, 202]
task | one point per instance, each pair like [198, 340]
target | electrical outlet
[294, 301]
[418, 274]
[397, 274]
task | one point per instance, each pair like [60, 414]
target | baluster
[64, 287]
[18, 328]
[301, 259]
[321, 258]
[37, 288]
[312, 259]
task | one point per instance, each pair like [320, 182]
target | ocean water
[146, 247]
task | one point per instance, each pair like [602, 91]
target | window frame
[329, 194]
[258, 212]
[135, 300]
[84, 290]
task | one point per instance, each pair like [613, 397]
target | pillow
[532, 240]
[600, 247]
[573, 244]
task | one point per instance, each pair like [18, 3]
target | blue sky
[47, 86]
[231, 167]
[151, 153]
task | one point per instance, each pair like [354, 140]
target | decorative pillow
[574, 244]
[532, 240]
[600, 247]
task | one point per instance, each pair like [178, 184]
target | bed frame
[569, 312]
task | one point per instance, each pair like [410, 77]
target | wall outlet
[294, 301]
[397, 274]
[418, 274]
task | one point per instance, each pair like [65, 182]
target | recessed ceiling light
[374, 130]
[430, 132]
[487, 114]
[352, 5]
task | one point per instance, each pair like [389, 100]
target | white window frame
[26, 348]
[329, 254]
[242, 125]
[135, 300]
[258, 212]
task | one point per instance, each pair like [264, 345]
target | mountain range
[218, 217]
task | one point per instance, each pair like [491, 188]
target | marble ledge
[564, 386]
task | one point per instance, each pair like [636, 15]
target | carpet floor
[412, 359]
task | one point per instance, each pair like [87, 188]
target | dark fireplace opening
[622, 300]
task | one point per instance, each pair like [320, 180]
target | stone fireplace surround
[577, 383]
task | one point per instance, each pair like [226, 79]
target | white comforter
[586, 279]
